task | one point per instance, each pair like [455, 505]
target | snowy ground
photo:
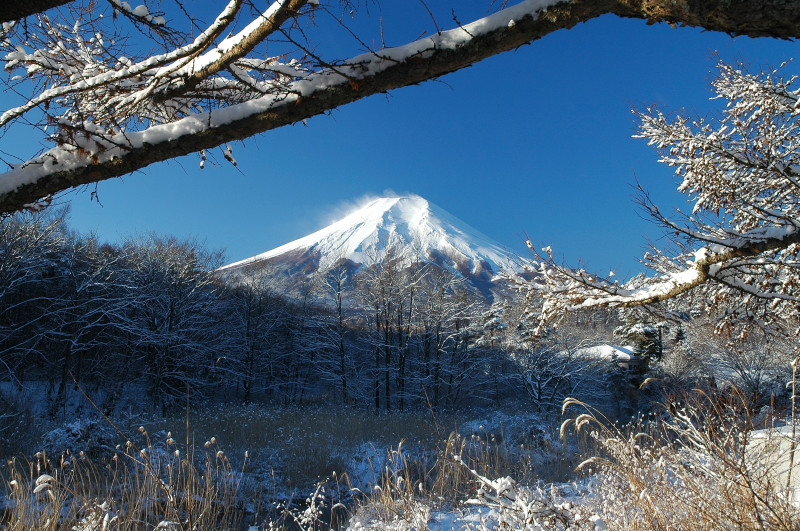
[364, 460]
[775, 445]
[526, 440]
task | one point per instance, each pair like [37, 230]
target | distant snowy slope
[411, 226]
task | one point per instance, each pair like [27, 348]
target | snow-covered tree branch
[112, 108]
[737, 250]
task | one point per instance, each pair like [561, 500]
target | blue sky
[535, 141]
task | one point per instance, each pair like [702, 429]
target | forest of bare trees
[151, 319]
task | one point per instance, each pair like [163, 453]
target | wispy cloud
[345, 208]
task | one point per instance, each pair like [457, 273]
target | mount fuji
[410, 227]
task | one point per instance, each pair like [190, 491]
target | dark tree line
[142, 314]
[151, 319]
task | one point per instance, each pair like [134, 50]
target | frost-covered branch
[114, 115]
[233, 48]
[103, 87]
[737, 250]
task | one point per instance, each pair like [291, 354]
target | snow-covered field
[473, 470]
[282, 455]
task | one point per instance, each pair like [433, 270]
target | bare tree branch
[736, 254]
[99, 156]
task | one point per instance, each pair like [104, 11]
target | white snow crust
[413, 226]
[609, 352]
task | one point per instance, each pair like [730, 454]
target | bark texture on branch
[756, 18]
[11, 10]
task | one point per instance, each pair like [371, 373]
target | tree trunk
[60, 399]
[377, 382]
[340, 331]
[387, 364]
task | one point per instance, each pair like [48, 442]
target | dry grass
[692, 470]
[302, 445]
[142, 487]
[695, 468]
[411, 487]
[538, 458]
[150, 483]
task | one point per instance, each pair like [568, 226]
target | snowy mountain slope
[413, 227]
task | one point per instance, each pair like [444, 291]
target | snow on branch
[80, 73]
[737, 252]
[99, 146]
[114, 112]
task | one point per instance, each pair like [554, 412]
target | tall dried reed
[695, 468]
[148, 486]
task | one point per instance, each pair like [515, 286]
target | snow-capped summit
[411, 226]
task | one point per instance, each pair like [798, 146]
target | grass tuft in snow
[701, 466]
[149, 485]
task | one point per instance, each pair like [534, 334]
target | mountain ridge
[410, 226]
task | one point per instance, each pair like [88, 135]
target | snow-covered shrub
[527, 508]
[94, 438]
[403, 514]
[399, 503]
[319, 510]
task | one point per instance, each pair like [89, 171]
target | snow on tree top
[410, 225]
[609, 352]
